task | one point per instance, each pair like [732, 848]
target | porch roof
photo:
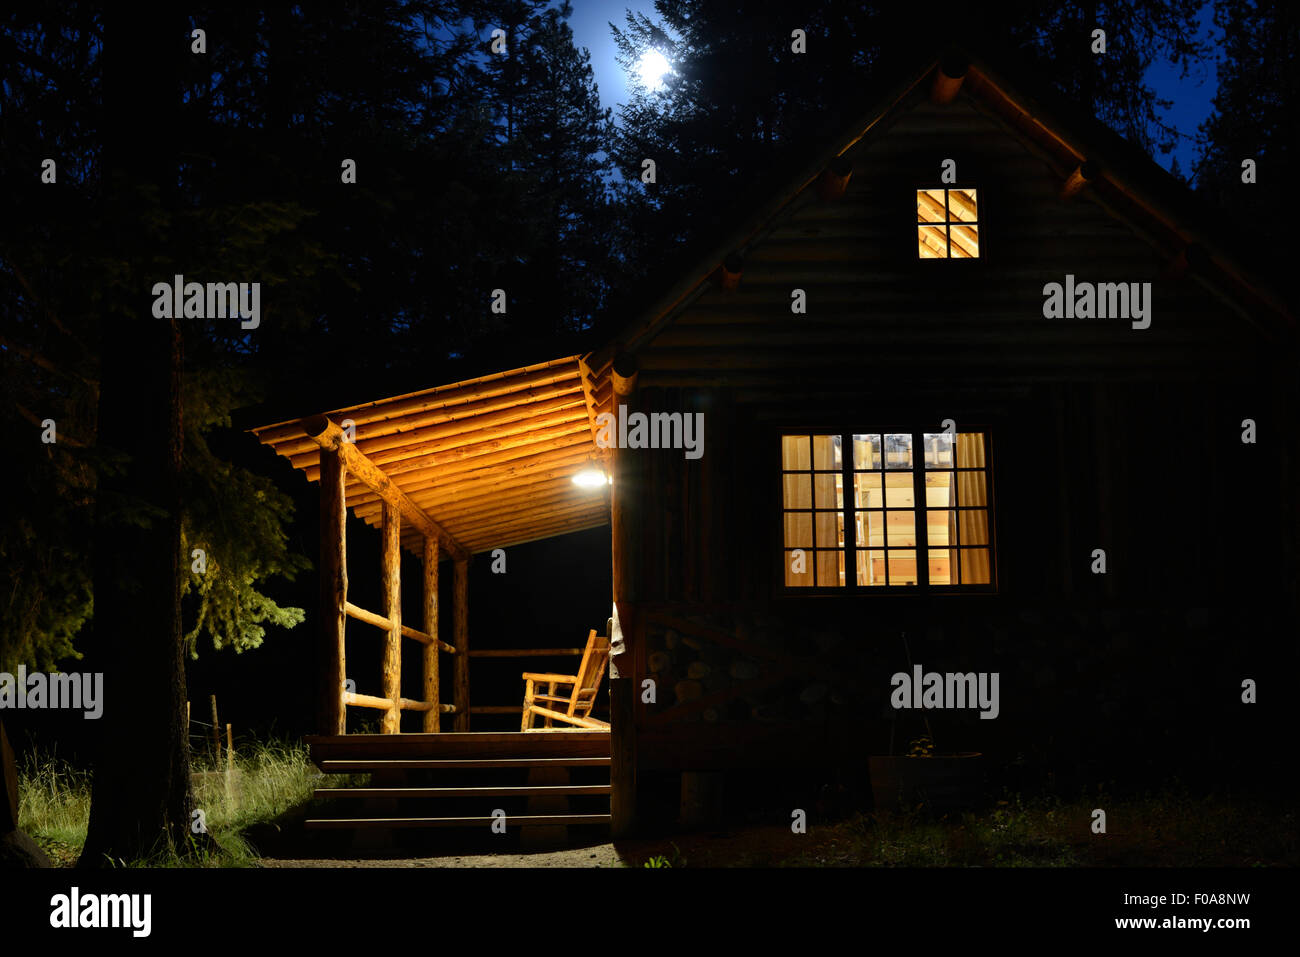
[488, 461]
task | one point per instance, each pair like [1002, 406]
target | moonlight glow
[651, 69]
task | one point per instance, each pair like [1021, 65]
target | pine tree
[551, 141]
[59, 278]
[1256, 117]
[140, 800]
[563, 135]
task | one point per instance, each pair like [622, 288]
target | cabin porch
[443, 475]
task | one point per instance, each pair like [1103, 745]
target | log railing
[379, 621]
[338, 459]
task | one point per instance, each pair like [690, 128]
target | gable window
[947, 224]
[917, 513]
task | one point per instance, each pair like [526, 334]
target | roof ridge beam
[947, 78]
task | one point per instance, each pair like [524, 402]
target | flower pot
[942, 782]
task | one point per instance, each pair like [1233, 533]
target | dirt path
[764, 846]
[601, 855]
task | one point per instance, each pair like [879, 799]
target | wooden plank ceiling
[491, 459]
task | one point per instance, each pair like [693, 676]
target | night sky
[1191, 95]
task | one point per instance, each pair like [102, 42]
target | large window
[917, 513]
[947, 224]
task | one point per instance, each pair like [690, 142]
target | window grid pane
[957, 519]
[813, 505]
[948, 223]
[891, 540]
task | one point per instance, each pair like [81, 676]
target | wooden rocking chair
[575, 707]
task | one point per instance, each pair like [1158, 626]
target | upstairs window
[947, 224]
[917, 513]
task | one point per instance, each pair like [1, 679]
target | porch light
[592, 476]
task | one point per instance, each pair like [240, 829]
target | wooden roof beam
[330, 437]
[517, 462]
[476, 455]
[465, 414]
[436, 498]
[442, 398]
[1191, 258]
[480, 455]
[394, 460]
[506, 537]
[557, 516]
[622, 373]
[948, 76]
[588, 380]
[1081, 176]
[528, 499]
[730, 272]
[534, 535]
[834, 180]
[958, 203]
[396, 434]
[938, 215]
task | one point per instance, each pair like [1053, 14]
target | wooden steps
[538, 790]
[466, 780]
[363, 766]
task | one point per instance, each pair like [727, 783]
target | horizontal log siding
[871, 299]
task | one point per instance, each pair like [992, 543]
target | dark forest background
[474, 171]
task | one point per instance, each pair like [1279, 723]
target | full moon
[652, 67]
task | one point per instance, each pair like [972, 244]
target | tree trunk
[140, 800]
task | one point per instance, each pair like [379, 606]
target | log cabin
[909, 459]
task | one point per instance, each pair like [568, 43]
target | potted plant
[941, 782]
[924, 776]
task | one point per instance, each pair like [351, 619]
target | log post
[625, 508]
[216, 735]
[460, 638]
[230, 764]
[331, 717]
[624, 688]
[391, 583]
[432, 717]
[622, 764]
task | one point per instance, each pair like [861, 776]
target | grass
[663, 860]
[269, 778]
[54, 805]
[1167, 829]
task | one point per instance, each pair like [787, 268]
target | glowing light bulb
[590, 478]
